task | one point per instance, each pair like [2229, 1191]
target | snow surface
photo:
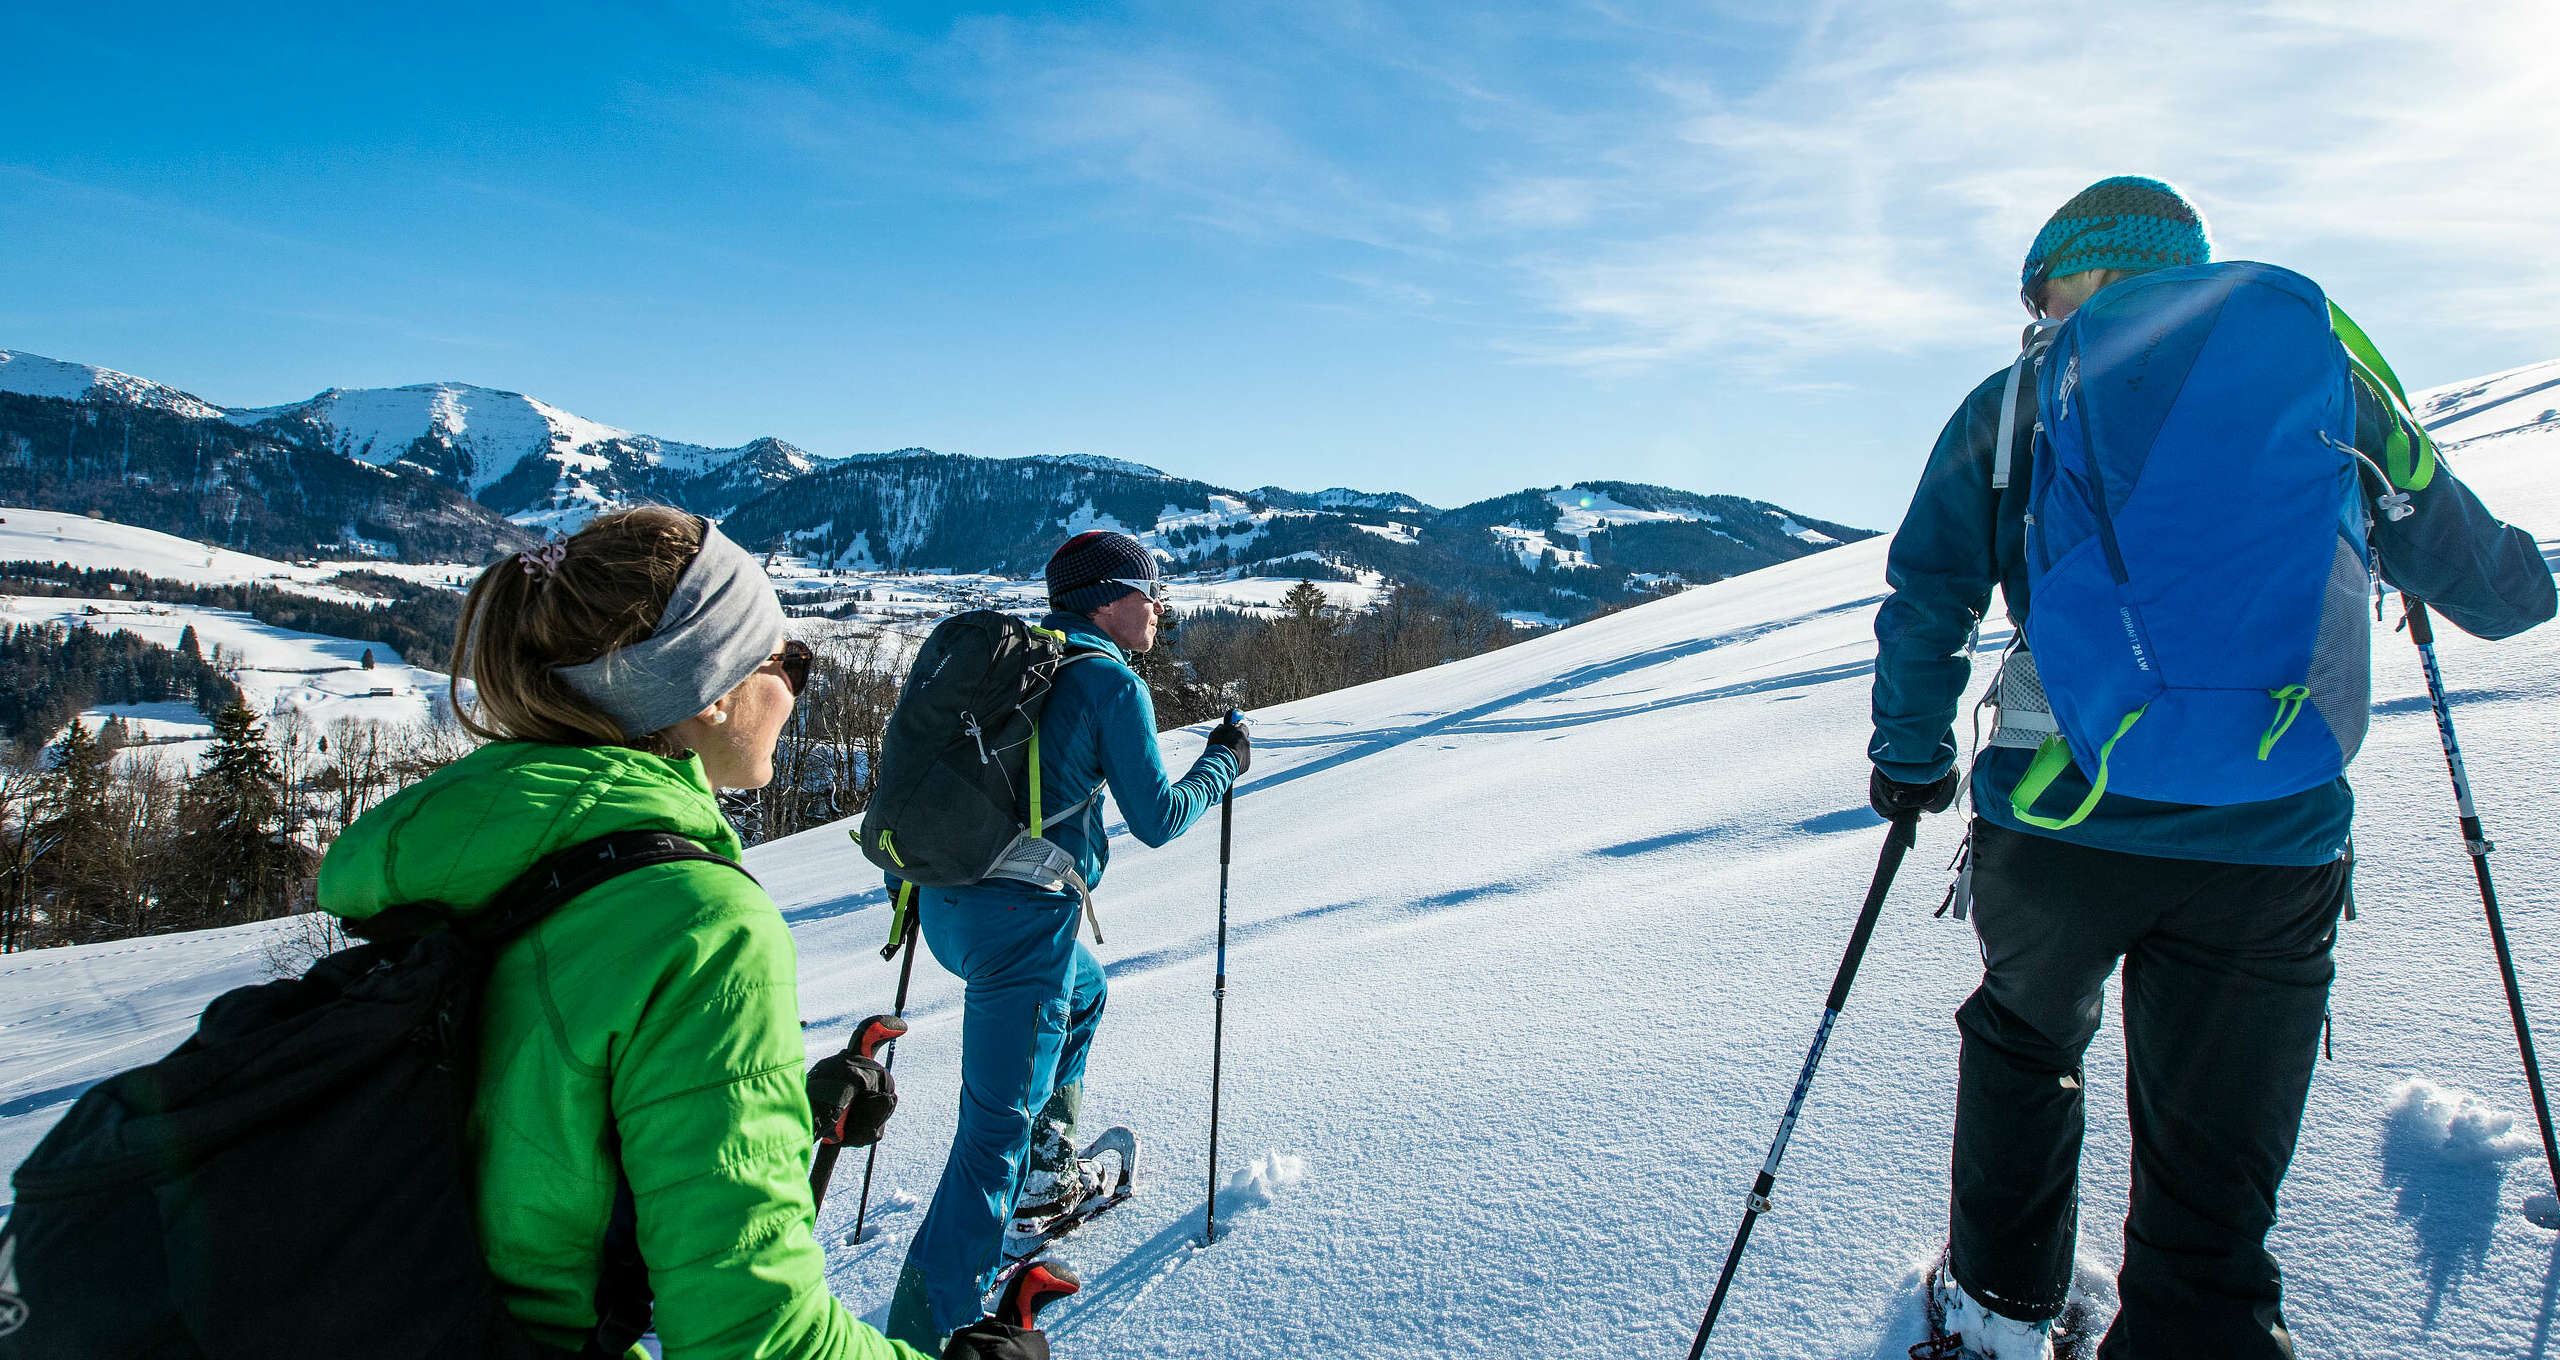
[1531, 547]
[2525, 398]
[1584, 510]
[1787, 525]
[1525, 953]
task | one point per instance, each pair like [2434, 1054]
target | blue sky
[1452, 250]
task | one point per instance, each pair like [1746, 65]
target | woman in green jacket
[649, 1030]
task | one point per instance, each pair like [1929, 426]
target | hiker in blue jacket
[1035, 992]
[2223, 917]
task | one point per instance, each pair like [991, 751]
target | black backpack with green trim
[958, 799]
[291, 1182]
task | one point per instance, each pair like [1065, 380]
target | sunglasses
[1153, 590]
[2031, 292]
[795, 657]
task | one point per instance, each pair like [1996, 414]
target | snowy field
[1526, 950]
[912, 602]
[60, 536]
[277, 668]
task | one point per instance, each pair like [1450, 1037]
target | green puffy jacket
[662, 1007]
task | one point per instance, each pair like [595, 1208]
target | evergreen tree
[1306, 602]
[234, 862]
[189, 646]
[71, 850]
[367, 662]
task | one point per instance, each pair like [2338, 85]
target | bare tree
[20, 785]
[293, 734]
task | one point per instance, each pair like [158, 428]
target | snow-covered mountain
[1344, 498]
[1559, 553]
[529, 460]
[1525, 954]
[34, 375]
[83, 439]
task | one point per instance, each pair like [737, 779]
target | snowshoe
[1069, 1202]
[1961, 1329]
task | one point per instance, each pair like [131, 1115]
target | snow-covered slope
[1525, 953]
[37, 376]
[276, 668]
[77, 540]
[2525, 398]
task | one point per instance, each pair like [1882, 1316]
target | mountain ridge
[515, 465]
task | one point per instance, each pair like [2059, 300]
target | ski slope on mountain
[103, 545]
[1525, 954]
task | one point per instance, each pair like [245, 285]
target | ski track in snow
[1525, 953]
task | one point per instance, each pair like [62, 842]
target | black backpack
[958, 800]
[290, 1181]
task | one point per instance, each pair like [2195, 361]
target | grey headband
[720, 625]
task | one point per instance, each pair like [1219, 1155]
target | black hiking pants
[2226, 980]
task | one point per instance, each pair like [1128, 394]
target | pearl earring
[718, 717]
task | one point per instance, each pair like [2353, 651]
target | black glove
[1892, 798]
[1239, 743]
[988, 1339]
[850, 1099]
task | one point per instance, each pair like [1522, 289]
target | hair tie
[543, 563]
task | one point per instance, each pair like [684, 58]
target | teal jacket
[1100, 728]
[1961, 538]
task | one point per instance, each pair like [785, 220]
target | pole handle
[878, 1030]
[1034, 1287]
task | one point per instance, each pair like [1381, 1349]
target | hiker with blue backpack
[2185, 491]
[1017, 730]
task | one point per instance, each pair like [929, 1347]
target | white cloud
[1625, 186]
[1878, 189]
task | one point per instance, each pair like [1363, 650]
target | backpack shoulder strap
[2031, 348]
[564, 875]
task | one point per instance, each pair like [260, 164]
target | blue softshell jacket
[1961, 538]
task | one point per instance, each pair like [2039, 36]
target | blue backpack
[2196, 543]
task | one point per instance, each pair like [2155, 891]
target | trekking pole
[871, 1161]
[1898, 838]
[1218, 1028]
[831, 1097]
[2478, 845]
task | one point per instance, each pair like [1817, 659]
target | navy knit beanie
[2127, 222]
[1083, 569]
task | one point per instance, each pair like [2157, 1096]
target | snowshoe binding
[1103, 1175]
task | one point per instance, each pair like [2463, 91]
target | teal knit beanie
[2125, 222]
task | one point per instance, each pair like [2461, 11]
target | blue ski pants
[1034, 997]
